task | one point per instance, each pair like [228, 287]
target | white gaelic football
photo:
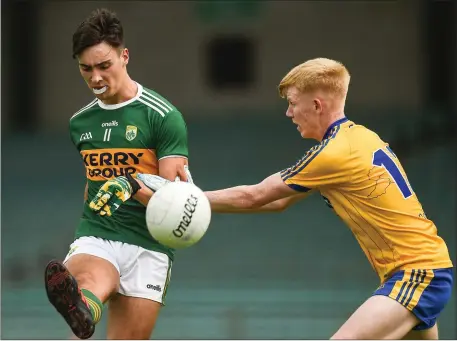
[178, 215]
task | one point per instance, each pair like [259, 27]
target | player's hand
[155, 182]
[113, 193]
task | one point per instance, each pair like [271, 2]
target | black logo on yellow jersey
[104, 164]
[110, 159]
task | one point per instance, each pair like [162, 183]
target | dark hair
[102, 25]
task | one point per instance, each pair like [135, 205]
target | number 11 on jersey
[107, 134]
[383, 159]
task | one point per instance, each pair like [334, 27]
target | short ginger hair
[317, 74]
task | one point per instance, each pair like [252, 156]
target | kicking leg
[94, 274]
[78, 289]
[65, 296]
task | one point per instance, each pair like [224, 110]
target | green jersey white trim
[164, 157]
[152, 101]
[143, 100]
[156, 100]
[123, 104]
[90, 105]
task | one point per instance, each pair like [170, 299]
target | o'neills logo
[113, 123]
[104, 164]
[189, 209]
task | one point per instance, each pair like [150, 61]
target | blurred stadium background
[298, 274]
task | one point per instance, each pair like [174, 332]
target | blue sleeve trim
[309, 156]
[299, 188]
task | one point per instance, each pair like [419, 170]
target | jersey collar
[333, 125]
[123, 104]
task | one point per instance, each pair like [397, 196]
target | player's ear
[317, 104]
[125, 56]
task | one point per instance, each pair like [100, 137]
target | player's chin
[302, 132]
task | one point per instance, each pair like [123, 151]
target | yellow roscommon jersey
[360, 177]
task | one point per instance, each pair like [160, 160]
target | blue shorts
[423, 292]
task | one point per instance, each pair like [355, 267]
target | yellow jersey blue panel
[360, 177]
[424, 292]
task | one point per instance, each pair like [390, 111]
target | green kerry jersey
[129, 137]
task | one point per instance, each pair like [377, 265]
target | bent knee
[85, 279]
[94, 274]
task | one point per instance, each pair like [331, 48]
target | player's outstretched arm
[251, 197]
[275, 206]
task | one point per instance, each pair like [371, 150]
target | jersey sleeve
[172, 136]
[322, 165]
[72, 134]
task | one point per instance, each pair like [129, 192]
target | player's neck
[126, 92]
[332, 118]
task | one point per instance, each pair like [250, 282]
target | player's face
[103, 67]
[304, 110]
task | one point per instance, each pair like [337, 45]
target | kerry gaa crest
[130, 132]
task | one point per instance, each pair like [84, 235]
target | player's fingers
[100, 199]
[111, 206]
[105, 210]
[182, 176]
[122, 195]
[189, 176]
[115, 203]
